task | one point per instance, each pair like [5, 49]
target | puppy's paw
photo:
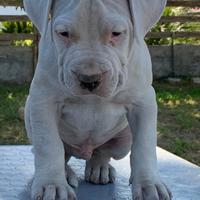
[99, 173]
[72, 178]
[42, 190]
[148, 190]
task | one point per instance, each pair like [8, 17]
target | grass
[11, 127]
[178, 117]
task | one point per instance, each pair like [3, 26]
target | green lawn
[178, 117]
[11, 127]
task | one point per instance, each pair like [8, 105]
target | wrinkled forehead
[80, 10]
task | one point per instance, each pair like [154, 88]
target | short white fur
[59, 113]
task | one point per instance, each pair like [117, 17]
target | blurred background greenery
[27, 27]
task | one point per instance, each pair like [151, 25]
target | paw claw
[104, 181]
[94, 180]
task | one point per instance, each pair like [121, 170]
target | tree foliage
[17, 27]
[175, 27]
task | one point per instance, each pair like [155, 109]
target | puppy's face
[93, 40]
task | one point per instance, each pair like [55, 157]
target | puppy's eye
[116, 34]
[64, 34]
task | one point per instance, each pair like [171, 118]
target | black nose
[90, 82]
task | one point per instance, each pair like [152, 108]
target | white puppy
[91, 96]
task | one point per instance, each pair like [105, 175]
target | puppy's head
[94, 39]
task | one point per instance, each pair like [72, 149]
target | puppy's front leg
[49, 180]
[145, 180]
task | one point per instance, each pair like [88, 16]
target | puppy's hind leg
[71, 176]
[98, 170]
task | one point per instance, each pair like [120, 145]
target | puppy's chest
[79, 121]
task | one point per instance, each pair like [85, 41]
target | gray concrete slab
[16, 172]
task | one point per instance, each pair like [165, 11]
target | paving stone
[17, 168]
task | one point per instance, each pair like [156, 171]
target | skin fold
[91, 96]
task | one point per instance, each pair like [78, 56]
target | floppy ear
[39, 12]
[145, 13]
